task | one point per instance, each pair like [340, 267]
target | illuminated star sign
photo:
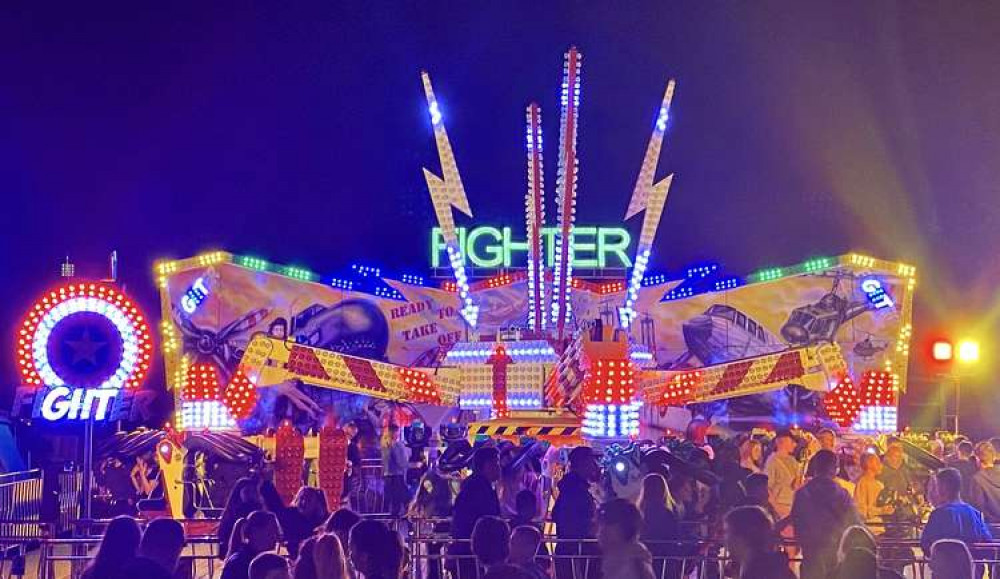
[85, 349]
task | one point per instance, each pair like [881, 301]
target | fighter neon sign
[494, 247]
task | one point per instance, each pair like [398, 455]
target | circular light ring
[100, 299]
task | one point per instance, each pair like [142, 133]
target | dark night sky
[297, 134]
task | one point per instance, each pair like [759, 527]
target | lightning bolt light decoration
[566, 186]
[648, 197]
[534, 208]
[446, 192]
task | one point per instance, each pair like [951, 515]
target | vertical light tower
[648, 197]
[566, 194]
[534, 218]
[446, 192]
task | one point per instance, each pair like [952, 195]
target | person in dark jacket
[476, 499]
[574, 513]
[753, 543]
[243, 500]
[984, 488]
[952, 518]
[260, 535]
[821, 511]
[964, 462]
[294, 526]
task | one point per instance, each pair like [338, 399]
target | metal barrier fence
[21, 501]
[432, 559]
[49, 558]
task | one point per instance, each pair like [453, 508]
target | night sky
[298, 133]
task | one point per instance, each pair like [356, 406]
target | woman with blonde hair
[752, 455]
[329, 558]
[661, 523]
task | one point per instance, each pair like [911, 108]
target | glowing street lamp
[968, 351]
[942, 351]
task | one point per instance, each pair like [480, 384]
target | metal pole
[958, 400]
[88, 468]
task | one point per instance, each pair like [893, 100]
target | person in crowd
[292, 523]
[752, 455]
[159, 550]
[984, 488]
[622, 555]
[352, 475]
[868, 489]
[896, 476]
[117, 549]
[260, 535]
[376, 552]
[726, 465]
[753, 544]
[117, 480]
[660, 522]
[951, 559]
[305, 565]
[952, 518]
[526, 505]
[964, 462]
[684, 489]
[477, 497]
[394, 465]
[236, 537]
[329, 558]
[491, 543]
[525, 542]
[340, 523]
[311, 504]
[574, 513]
[856, 556]
[821, 511]
[995, 441]
[782, 474]
[856, 537]
[243, 499]
[269, 566]
[827, 440]
[756, 494]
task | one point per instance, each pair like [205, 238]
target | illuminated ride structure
[534, 352]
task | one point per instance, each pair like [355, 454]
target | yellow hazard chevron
[269, 361]
[814, 367]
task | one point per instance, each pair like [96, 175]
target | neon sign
[194, 296]
[70, 403]
[877, 295]
[82, 349]
[494, 247]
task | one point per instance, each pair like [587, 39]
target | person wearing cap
[574, 514]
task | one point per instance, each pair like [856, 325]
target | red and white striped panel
[269, 361]
[814, 367]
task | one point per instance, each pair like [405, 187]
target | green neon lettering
[581, 247]
[590, 247]
[437, 246]
[493, 252]
[549, 239]
[618, 247]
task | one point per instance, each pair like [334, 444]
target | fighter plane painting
[723, 333]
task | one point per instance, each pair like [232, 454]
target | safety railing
[21, 503]
[560, 559]
[51, 558]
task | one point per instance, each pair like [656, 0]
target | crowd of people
[781, 508]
